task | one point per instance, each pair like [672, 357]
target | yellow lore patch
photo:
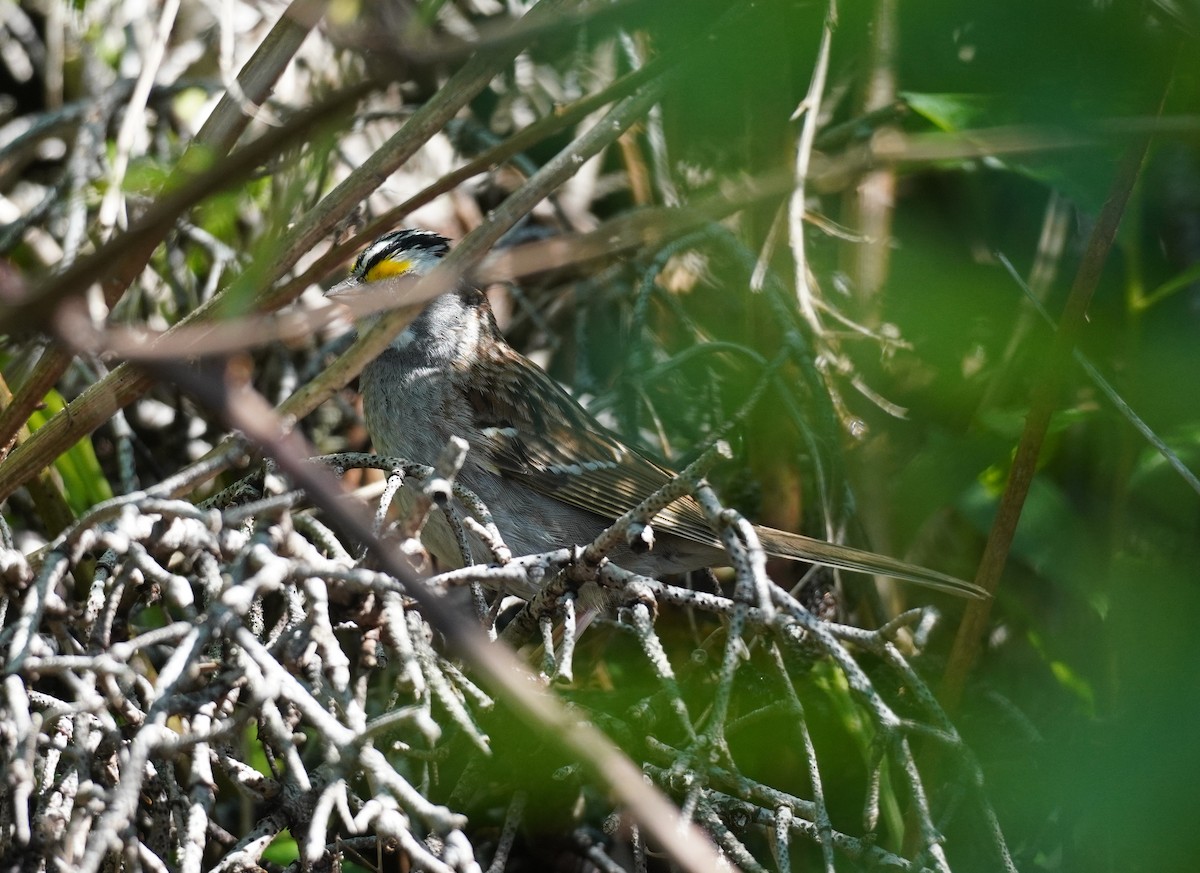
[385, 269]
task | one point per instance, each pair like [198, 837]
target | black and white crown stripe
[398, 242]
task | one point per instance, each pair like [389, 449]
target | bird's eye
[388, 267]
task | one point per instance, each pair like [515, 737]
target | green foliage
[84, 482]
[283, 850]
[957, 112]
[147, 176]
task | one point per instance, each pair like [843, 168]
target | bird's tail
[796, 547]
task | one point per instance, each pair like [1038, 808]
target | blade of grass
[1106, 388]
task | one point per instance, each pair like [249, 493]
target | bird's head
[457, 318]
[399, 253]
[406, 252]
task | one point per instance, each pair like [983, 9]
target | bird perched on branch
[550, 473]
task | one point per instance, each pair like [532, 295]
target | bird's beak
[343, 287]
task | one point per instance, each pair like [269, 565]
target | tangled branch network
[226, 686]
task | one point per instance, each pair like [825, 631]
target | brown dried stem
[1046, 394]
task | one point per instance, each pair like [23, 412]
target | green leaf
[83, 480]
[1065, 675]
[146, 176]
[953, 112]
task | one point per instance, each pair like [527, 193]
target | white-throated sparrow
[550, 473]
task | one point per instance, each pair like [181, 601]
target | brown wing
[556, 447]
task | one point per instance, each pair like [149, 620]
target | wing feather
[557, 448]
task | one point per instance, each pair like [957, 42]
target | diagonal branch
[1045, 399]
